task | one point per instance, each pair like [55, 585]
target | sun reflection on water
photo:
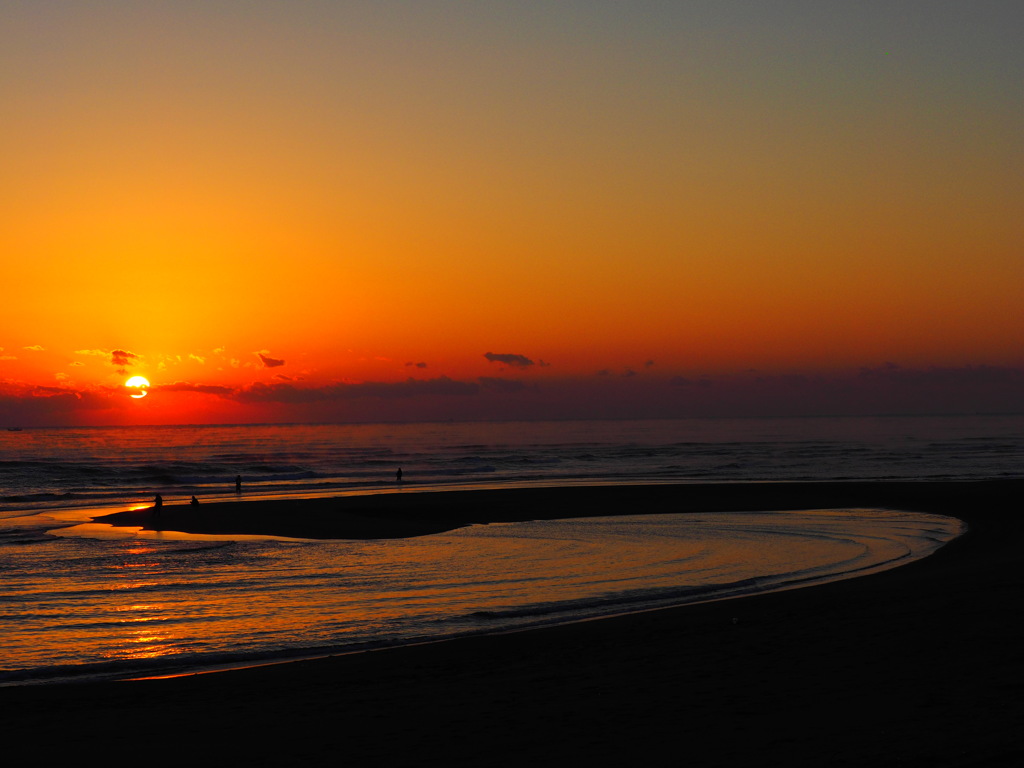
[139, 568]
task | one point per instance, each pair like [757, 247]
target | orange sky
[373, 192]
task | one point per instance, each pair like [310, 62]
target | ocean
[84, 601]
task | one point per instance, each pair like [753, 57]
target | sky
[382, 211]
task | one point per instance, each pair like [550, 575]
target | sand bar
[392, 515]
[920, 665]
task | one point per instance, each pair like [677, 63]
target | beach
[918, 665]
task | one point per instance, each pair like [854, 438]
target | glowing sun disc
[138, 382]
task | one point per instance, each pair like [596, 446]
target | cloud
[270, 362]
[416, 365]
[197, 358]
[92, 352]
[282, 377]
[76, 363]
[8, 357]
[649, 364]
[520, 361]
[204, 389]
[35, 348]
[121, 358]
[27, 404]
[43, 391]
[884, 389]
[968, 374]
[288, 393]
[880, 389]
[284, 391]
[501, 385]
[412, 388]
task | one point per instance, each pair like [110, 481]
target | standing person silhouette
[238, 483]
[398, 476]
[158, 505]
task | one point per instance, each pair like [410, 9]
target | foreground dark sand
[921, 665]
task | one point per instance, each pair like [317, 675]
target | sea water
[77, 602]
[58, 468]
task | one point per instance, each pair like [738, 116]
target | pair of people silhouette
[158, 502]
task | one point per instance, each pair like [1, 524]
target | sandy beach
[920, 665]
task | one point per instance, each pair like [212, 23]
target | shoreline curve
[916, 665]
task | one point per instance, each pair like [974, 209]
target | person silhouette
[398, 475]
[238, 483]
[158, 502]
[194, 502]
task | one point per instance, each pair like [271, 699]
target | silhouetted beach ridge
[399, 514]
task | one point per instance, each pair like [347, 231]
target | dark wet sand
[921, 665]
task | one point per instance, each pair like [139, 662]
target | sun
[139, 382]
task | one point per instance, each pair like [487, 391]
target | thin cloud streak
[518, 361]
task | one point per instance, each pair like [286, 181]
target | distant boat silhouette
[14, 429]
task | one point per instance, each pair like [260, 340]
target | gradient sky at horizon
[644, 208]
